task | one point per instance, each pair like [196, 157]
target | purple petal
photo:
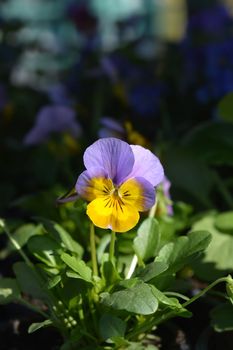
[84, 179]
[111, 154]
[146, 165]
[148, 193]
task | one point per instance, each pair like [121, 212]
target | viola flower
[52, 119]
[119, 182]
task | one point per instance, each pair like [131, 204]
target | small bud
[74, 323]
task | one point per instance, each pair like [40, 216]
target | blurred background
[153, 72]
[158, 73]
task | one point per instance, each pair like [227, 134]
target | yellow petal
[110, 212]
[98, 187]
[132, 193]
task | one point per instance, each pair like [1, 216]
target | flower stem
[153, 210]
[112, 246]
[93, 250]
[210, 286]
[132, 267]
[16, 244]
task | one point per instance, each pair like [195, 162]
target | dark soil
[14, 323]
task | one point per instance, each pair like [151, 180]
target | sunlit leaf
[35, 326]
[147, 240]
[79, 266]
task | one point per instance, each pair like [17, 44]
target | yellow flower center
[112, 206]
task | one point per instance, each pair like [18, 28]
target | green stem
[93, 250]
[16, 244]
[153, 210]
[132, 267]
[210, 286]
[112, 246]
[148, 325]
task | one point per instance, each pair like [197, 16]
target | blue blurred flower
[208, 54]
[145, 98]
[212, 20]
[52, 119]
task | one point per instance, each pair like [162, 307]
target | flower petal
[111, 154]
[138, 193]
[119, 218]
[92, 184]
[146, 165]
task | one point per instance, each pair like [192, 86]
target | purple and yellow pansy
[119, 182]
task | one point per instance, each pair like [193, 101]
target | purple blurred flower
[52, 119]
[111, 128]
[109, 69]
[119, 182]
[58, 95]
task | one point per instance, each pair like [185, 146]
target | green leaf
[184, 171]
[54, 281]
[35, 326]
[225, 107]
[218, 257]
[9, 290]
[23, 233]
[129, 283]
[111, 326]
[211, 142]
[177, 254]
[109, 273]
[79, 266]
[147, 240]
[62, 236]
[224, 222]
[28, 280]
[45, 249]
[173, 303]
[222, 318]
[152, 270]
[139, 299]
